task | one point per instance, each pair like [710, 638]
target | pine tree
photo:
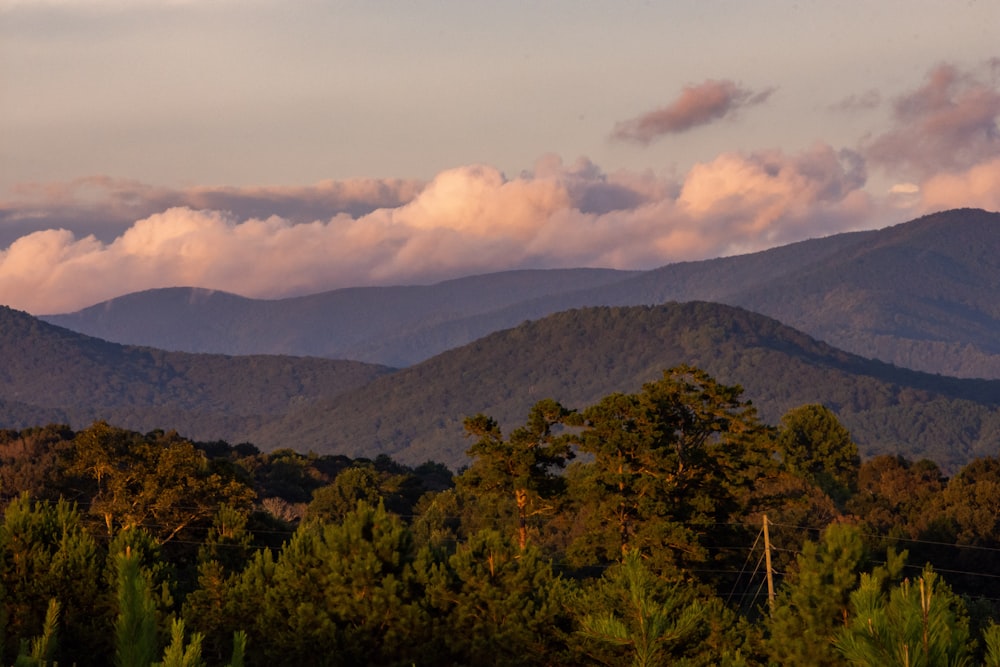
[917, 624]
[631, 617]
[816, 601]
[135, 628]
[498, 604]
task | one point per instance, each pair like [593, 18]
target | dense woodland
[629, 532]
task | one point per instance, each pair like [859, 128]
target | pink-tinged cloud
[949, 124]
[467, 220]
[978, 187]
[106, 207]
[697, 105]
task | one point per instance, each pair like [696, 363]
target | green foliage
[813, 444]
[135, 628]
[181, 653]
[631, 617]
[815, 602]
[516, 480]
[42, 649]
[338, 593]
[661, 473]
[45, 554]
[497, 604]
[916, 624]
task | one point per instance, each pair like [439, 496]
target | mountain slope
[52, 374]
[581, 355]
[337, 324]
[922, 294]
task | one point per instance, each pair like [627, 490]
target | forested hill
[50, 374]
[578, 356]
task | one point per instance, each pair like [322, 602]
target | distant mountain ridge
[922, 294]
[337, 324]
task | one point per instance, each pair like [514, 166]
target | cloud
[697, 105]
[470, 219]
[978, 186]
[106, 207]
[947, 124]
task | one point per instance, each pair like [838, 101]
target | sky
[274, 148]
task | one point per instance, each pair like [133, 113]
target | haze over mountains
[922, 294]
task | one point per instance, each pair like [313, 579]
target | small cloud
[697, 105]
[904, 189]
[947, 124]
[869, 99]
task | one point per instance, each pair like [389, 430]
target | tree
[917, 624]
[46, 554]
[336, 500]
[160, 482]
[499, 604]
[631, 617]
[337, 594]
[135, 627]
[520, 472]
[815, 602]
[666, 469]
[814, 444]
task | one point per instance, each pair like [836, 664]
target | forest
[667, 526]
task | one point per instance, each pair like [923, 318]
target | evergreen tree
[46, 554]
[629, 617]
[517, 478]
[499, 604]
[135, 628]
[816, 601]
[336, 594]
[814, 444]
[917, 624]
[663, 478]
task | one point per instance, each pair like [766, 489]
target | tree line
[626, 532]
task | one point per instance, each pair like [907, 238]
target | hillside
[581, 355]
[922, 295]
[52, 374]
[340, 324]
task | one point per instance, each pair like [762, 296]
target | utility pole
[767, 565]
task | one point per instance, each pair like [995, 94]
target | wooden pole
[767, 565]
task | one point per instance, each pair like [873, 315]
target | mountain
[921, 294]
[51, 374]
[578, 356]
[339, 324]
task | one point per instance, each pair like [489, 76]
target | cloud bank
[467, 220]
[697, 105]
[78, 243]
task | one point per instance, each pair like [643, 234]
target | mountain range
[416, 414]
[924, 295]
[924, 292]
